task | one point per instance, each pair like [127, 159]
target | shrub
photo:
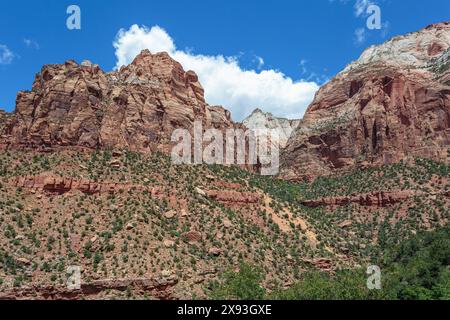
[242, 285]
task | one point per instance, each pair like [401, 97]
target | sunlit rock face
[390, 105]
[137, 107]
[281, 126]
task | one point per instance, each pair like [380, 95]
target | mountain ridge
[266, 120]
[137, 107]
[86, 182]
[377, 111]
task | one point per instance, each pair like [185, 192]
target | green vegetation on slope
[415, 270]
[125, 233]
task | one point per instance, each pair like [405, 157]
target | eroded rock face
[375, 199]
[160, 287]
[234, 197]
[283, 127]
[55, 184]
[192, 236]
[6, 120]
[392, 104]
[137, 107]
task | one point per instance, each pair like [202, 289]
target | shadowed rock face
[6, 120]
[137, 107]
[392, 104]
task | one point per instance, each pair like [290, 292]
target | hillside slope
[139, 226]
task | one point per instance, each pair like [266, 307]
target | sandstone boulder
[192, 237]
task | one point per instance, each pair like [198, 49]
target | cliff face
[129, 218]
[262, 120]
[391, 104]
[6, 121]
[137, 107]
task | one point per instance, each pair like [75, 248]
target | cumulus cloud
[6, 55]
[225, 81]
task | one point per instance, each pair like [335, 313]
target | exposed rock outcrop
[376, 199]
[136, 107]
[160, 287]
[323, 264]
[380, 199]
[236, 197]
[192, 236]
[283, 127]
[51, 183]
[391, 104]
[6, 120]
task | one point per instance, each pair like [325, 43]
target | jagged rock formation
[379, 199]
[55, 184]
[5, 118]
[261, 120]
[58, 185]
[159, 287]
[375, 199]
[5, 123]
[234, 197]
[137, 107]
[140, 227]
[391, 104]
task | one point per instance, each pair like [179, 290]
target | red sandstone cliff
[391, 104]
[136, 107]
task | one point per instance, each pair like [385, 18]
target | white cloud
[260, 61]
[225, 82]
[303, 66]
[31, 44]
[6, 55]
[385, 29]
[129, 43]
[361, 7]
[360, 35]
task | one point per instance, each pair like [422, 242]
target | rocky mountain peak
[256, 112]
[391, 104]
[137, 107]
[264, 120]
[160, 65]
[414, 50]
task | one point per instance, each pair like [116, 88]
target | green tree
[344, 285]
[242, 285]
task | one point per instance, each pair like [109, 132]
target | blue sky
[302, 43]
